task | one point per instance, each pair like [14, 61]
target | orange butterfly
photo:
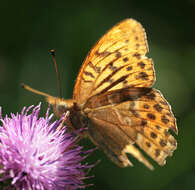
[113, 98]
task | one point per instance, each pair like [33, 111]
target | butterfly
[114, 100]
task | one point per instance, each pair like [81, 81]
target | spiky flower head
[36, 155]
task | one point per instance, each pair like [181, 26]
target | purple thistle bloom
[36, 155]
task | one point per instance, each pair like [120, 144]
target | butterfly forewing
[116, 61]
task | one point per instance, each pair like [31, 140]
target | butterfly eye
[61, 108]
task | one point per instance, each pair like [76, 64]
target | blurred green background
[28, 29]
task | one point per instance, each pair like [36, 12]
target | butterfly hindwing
[144, 119]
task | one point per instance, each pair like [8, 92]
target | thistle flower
[35, 155]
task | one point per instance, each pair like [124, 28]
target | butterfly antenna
[52, 52]
[26, 87]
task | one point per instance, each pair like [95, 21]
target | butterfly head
[60, 106]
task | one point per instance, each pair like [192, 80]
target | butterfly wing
[116, 61]
[133, 115]
[112, 89]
